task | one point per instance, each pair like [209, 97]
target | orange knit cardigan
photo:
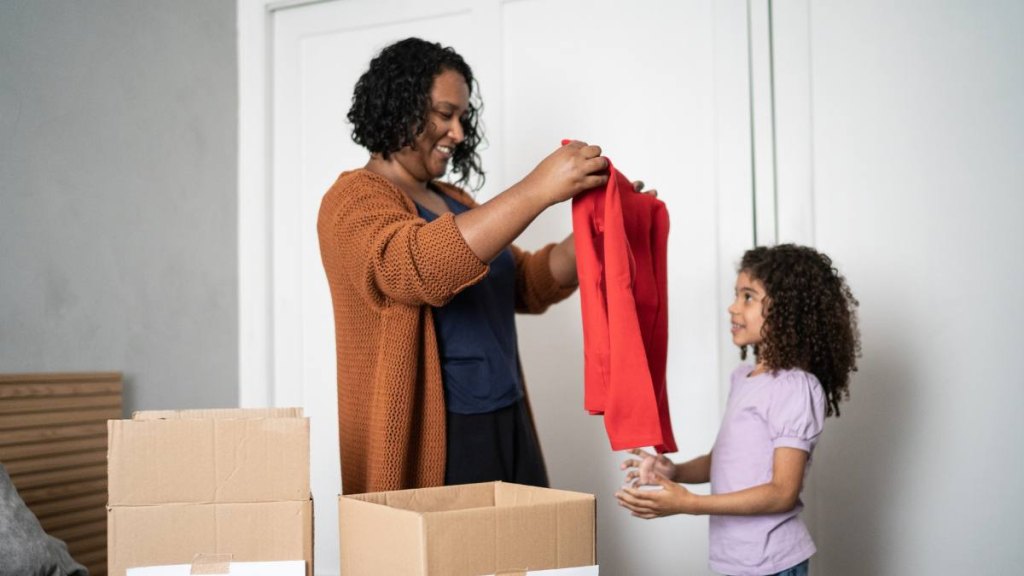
[386, 268]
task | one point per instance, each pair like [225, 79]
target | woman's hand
[567, 171]
[641, 470]
[670, 499]
[638, 185]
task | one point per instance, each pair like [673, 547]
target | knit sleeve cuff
[464, 268]
[538, 288]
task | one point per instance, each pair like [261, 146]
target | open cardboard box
[466, 530]
[207, 482]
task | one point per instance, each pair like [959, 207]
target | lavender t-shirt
[765, 412]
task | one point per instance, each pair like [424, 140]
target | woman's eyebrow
[445, 106]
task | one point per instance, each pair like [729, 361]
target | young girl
[797, 313]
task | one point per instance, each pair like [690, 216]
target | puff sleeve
[796, 414]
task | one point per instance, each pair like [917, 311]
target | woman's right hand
[567, 171]
[641, 470]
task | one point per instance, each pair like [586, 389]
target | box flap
[522, 537]
[443, 498]
[378, 539]
[207, 460]
[139, 536]
[509, 494]
[570, 528]
[222, 413]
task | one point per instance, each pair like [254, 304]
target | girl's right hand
[566, 172]
[641, 471]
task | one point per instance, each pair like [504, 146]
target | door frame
[255, 354]
[255, 250]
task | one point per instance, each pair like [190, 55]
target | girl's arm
[778, 495]
[696, 471]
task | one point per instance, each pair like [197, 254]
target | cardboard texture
[208, 456]
[208, 482]
[466, 530]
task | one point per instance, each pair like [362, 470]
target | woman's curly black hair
[810, 317]
[392, 99]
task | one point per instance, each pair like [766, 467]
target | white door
[662, 86]
[319, 53]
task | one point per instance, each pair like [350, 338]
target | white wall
[918, 164]
[579, 69]
[117, 195]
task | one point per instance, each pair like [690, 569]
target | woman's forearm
[563, 262]
[567, 171]
[491, 227]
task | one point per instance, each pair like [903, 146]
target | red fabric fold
[621, 239]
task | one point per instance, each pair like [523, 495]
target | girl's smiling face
[747, 311]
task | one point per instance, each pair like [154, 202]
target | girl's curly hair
[392, 99]
[810, 317]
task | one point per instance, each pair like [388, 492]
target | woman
[425, 282]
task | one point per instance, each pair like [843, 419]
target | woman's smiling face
[427, 158]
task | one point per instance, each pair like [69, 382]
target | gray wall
[919, 163]
[118, 147]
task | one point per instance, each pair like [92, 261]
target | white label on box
[287, 568]
[575, 571]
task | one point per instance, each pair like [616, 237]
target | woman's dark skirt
[499, 445]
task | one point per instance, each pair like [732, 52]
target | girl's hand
[671, 499]
[641, 470]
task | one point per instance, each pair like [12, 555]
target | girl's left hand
[671, 499]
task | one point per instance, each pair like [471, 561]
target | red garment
[621, 239]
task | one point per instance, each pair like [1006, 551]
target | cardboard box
[208, 482]
[465, 530]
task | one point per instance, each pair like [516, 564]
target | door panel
[319, 53]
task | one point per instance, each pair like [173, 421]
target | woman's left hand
[638, 185]
[671, 499]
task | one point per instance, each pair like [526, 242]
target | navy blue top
[476, 336]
